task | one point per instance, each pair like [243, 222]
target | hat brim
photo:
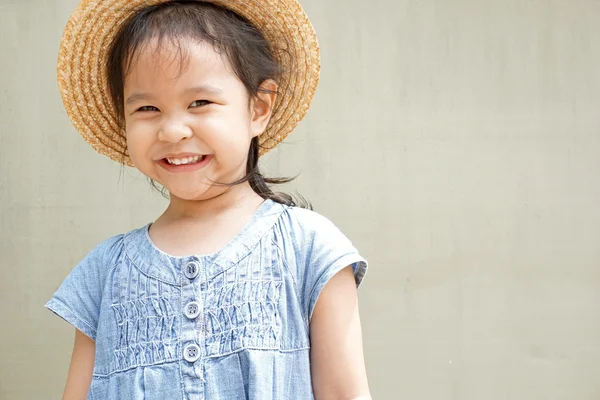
[83, 53]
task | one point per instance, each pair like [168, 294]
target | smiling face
[189, 125]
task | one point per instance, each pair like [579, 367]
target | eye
[147, 108]
[200, 103]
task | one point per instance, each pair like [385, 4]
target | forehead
[171, 60]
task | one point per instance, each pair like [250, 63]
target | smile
[185, 164]
[186, 160]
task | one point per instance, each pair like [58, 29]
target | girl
[234, 292]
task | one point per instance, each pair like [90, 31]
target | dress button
[191, 352]
[192, 309]
[191, 270]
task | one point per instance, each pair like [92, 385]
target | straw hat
[91, 29]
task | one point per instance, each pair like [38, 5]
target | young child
[234, 292]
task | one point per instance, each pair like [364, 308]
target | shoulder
[310, 226]
[98, 262]
[306, 221]
[110, 251]
[111, 247]
[306, 231]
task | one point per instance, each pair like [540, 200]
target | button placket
[192, 270]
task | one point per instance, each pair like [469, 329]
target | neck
[236, 197]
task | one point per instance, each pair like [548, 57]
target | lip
[184, 167]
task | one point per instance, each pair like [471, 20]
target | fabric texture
[230, 325]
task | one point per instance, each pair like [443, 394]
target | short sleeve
[78, 298]
[322, 251]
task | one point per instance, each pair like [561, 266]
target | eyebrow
[207, 89]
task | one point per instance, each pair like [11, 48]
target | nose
[173, 131]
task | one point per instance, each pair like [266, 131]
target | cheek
[137, 142]
[230, 132]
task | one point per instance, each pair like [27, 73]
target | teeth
[185, 160]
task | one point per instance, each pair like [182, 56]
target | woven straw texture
[84, 47]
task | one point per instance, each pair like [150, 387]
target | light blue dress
[231, 325]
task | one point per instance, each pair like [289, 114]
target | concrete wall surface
[455, 142]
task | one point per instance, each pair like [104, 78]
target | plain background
[455, 142]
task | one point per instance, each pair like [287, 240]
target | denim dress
[230, 325]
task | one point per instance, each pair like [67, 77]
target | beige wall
[456, 142]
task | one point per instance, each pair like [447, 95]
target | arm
[81, 368]
[337, 362]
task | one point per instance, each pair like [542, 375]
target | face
[190, 125]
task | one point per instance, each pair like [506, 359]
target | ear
[262, 107]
